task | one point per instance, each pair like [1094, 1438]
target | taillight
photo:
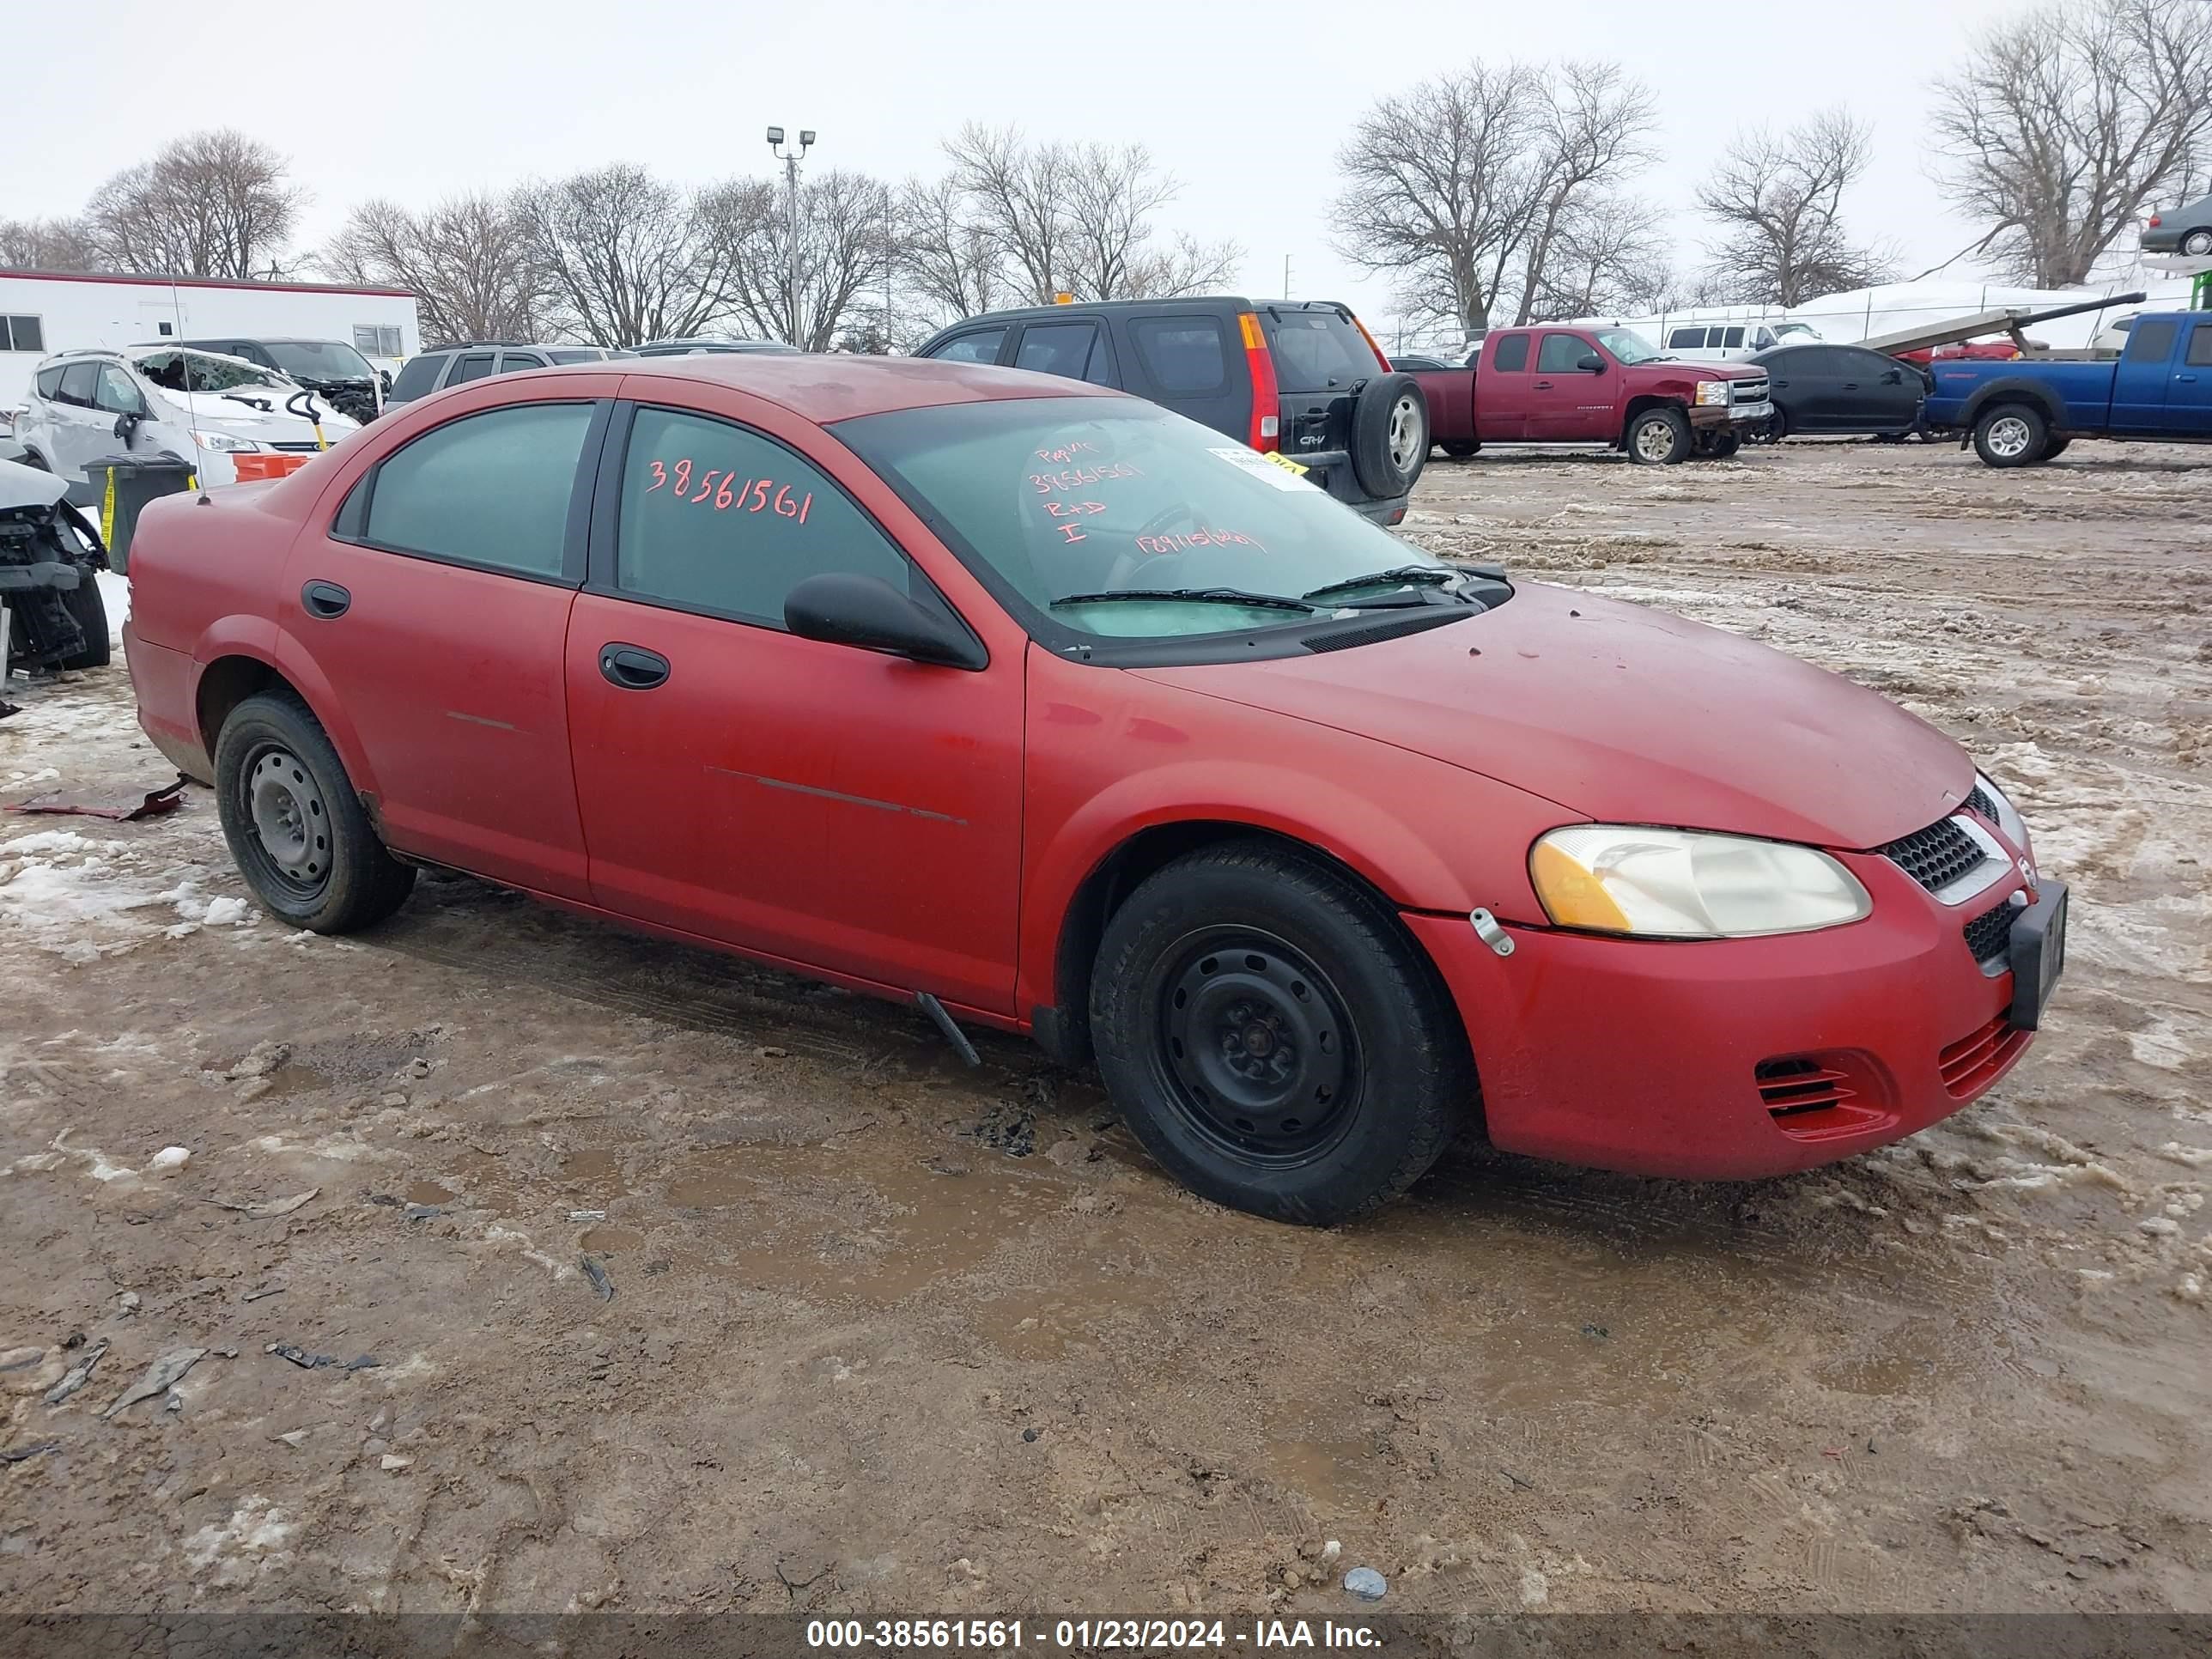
[1381, 362]
[2155, 222]
[1267, 400]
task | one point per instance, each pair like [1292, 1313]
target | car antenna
[197, 474]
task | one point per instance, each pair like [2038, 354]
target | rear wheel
[2055, 449]
[1659, 437]
[1717, 447]
[296, 825]
[2197, 243]
[2011, 435]
[1272, 1037]
[1459, 449]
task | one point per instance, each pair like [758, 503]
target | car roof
[823, 388]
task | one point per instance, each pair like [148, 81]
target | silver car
[2182, 230]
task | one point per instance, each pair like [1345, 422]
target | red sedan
[1062, 714]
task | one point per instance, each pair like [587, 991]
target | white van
[1726, 342]
[168, 403]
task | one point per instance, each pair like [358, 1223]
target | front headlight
[224, 443]
[1687, 884]
[2010, 824]
[1712, 391]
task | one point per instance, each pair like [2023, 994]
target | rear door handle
[1851, 386]
[2190, 377]
[325, 600]
[632, 666]
[1543, 385]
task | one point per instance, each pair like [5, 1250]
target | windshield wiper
[1404, 575]
[1196, 595]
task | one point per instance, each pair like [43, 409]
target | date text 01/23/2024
[1013, 1635]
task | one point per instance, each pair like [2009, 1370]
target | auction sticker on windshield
[1285, 476]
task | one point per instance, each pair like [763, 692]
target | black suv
[332, 370]
[428, 371]
[1302, 378]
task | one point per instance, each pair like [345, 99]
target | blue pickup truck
[2027, 409]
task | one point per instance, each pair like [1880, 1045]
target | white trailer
[42, 312]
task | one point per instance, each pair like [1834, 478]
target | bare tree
[1594, 128]
[1610, 254]
[1464, 187]
[1058, 218]
[466, 259]
[215, 203]
[948, 260]
[2064, 124]
[48, 245]
[845, 237]
[1780, 202]
[622, 258]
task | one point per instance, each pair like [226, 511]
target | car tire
[88, 606]
[1721, 446]
[1308, 994]
[296, 827]
[1660, 436]
[2055, 449]
[1459, 449]
[1390, 436]
[2011, 435]
[2197, 243]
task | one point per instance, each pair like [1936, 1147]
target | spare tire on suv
[1390, 434]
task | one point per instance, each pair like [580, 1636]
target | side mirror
[845, 609]
[127, 426]
[1591, 363]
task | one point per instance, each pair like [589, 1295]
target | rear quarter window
[2151, 340]
[489, 489]
[418, 376]
[1184, 356]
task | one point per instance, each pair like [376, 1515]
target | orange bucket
[256, 469]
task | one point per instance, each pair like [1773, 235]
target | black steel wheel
[1274, 1038]
[296, 828]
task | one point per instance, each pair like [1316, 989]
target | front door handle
[1543, 385]
[1851, 386]
[325, 600]
[2192, 379]
[632, 666]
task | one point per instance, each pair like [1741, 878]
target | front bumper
[1705, 417]
[1646, 1056]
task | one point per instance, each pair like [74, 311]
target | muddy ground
[887, 1334]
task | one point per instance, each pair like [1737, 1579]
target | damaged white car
[209, 412]
[50, 559]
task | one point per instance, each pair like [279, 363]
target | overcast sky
[1246, 104]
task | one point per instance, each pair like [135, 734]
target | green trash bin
[123, 484]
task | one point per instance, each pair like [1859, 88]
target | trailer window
[20, 334]
[377, 339]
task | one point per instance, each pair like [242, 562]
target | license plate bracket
[2037, 952]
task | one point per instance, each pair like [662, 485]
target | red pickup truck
[1556, 384]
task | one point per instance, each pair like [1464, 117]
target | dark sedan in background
[1841, 389]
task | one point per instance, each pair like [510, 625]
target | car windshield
[169, 370]
[1099, 500]
[319, 359]
[1626, 345]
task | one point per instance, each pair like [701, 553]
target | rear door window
[1185, 356]
[520, 360]
[719, 518]
[1511, 356]
[490, 489]
[79, 381]
[1319, 350]
[2152, 339]
[1075, 351]
[980, 346]
[473, 366]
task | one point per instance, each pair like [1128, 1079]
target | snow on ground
[115, 593]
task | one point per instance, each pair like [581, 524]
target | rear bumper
[1334, 470]
[1644, 1056]
[165, 682]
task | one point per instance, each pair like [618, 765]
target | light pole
[791, 159]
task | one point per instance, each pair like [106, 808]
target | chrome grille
[1936, 856]
[1748, 391]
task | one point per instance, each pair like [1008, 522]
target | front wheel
[2012, 435]
[1660, 437]
[295, 826]
[1274, 1038]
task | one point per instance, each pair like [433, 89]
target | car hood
[29, 486]
[1625, 715]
